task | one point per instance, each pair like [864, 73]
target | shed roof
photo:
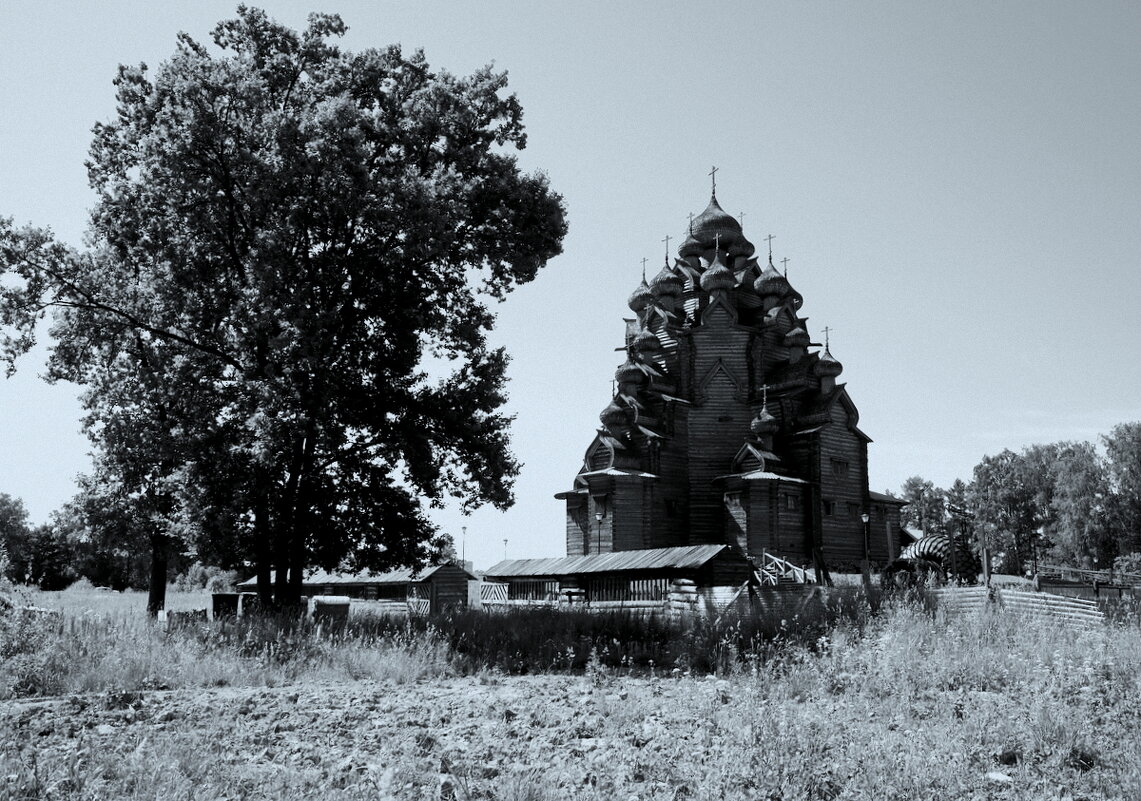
[881, 497]
[405, 576]
[683, 557]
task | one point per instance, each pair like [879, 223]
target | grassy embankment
[900, 706]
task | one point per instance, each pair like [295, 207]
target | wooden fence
[1077, 612]
[620, 589]
[661, 595]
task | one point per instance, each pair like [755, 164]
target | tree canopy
[286, 235]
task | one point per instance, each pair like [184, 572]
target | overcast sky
[957, 187]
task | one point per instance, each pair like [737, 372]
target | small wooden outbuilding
[642, 575]
[438, 587]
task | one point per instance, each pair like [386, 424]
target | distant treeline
[1076, 504]
[73, 546]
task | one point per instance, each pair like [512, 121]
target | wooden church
[728, 425]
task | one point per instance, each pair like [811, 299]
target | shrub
[208, 577]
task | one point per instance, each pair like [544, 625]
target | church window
[840, 468]
[671, 508]
[791, 501]
[829, 508]
[853, 510]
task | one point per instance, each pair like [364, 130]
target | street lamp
[866, 518]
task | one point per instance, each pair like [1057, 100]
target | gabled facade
[726, 427]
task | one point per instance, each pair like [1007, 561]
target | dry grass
[903, 706]
[100, 642]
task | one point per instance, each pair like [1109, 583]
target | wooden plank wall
[719, 424]
[668, 523]
[842, 531]
[577, 520]
[628, 497]
[449, 588]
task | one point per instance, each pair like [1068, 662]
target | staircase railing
[774, 570]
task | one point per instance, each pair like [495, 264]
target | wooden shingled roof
[686, 557]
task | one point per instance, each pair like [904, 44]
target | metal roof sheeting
[684, 557]
[334, 579]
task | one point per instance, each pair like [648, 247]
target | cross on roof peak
[784, 262]
[827, 329]
[713, 176]
[667, 241]
[644, 260]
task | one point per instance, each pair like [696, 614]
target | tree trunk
[156, 598]
[281, 564]
[303, 502]
[262, 551]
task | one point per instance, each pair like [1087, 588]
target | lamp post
[867, 530]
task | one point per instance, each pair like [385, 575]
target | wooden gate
[419, 599]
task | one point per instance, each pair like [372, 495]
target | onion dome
[741, 247]
[667, 283]
[690, 246]
[629, 373]
[641, 297]
[613, 415]
[714, 222]
[764, 423]
[828, 365]
[646, 341]
[797, 337]
[771, 283]
[718, 276]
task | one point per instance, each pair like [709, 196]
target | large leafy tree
[924, 508]
[1123, 458]
[15, 534]
[281, 321]
[32, 554]
[1078, 527]
[1012, 495]
[1005, 512]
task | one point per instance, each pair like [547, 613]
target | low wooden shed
[440, 586]
[642, 575]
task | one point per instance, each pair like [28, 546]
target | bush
[1128, 563]
[206, 577]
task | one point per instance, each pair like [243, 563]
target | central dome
[715, 221]
[712, 224]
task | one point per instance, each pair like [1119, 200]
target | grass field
[902, 705]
